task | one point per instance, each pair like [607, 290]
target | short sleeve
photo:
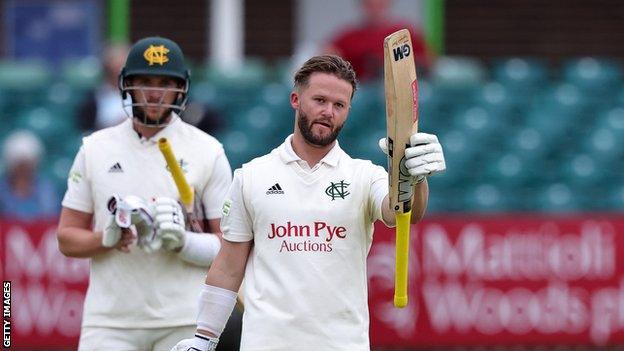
[379, 190]
[217, 187]
[78, 195]
[236, 223]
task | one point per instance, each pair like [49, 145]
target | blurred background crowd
[527, 96]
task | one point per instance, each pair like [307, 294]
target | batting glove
[125, 213]
[423, 158]
[112, 232]
[170, 226]
[141, 216]
[199, 343]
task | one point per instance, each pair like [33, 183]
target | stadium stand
[510, 127]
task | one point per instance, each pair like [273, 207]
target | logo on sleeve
[75, 176]
[227, 205]
[337, 190]
[275, 189]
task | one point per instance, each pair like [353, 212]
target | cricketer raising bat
[184, 189]
[401, 90]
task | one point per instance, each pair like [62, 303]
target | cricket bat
[401, 89]
[187, 194]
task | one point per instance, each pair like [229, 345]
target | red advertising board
[47, 289]
[503, 280]
[498, 280]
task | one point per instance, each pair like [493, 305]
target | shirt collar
[288, 155]
[166, 132]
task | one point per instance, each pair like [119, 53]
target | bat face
[401, 90]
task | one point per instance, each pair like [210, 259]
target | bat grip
[186, 193]
[402, 258]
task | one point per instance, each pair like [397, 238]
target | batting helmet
[156, 56]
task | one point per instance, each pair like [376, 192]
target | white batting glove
[111, 233]
[127, 212]
[170, 226]
[184, 345]
[423, 158]
[199, 343]
[141, 216]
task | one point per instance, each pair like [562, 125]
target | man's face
[25, 168]
[322, 108]
[155, 95]
[376, 11]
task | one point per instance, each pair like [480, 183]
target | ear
[294, 100]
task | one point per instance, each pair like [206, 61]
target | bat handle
[185, 190]
[402, 258]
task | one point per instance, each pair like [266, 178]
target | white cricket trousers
[117, 339]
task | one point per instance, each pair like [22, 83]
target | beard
[305, 126]
[139, 114]
[138, 110]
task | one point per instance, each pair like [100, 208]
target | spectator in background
[24, 194]
[362, 44]
[204, 117]
[102, 107]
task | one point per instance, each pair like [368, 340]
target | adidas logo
[116, 168]
[275, 189]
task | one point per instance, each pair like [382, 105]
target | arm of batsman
[424, 157]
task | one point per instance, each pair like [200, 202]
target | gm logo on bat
[401, 52]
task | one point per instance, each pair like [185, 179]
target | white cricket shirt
[141, 290]
[305, 280]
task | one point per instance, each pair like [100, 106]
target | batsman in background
[298, 224]
[144, 299]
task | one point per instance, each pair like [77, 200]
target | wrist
[200, 248]
[183, 242]
[205, 343]
[419, 180]
[215, 307]
[98, 236]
